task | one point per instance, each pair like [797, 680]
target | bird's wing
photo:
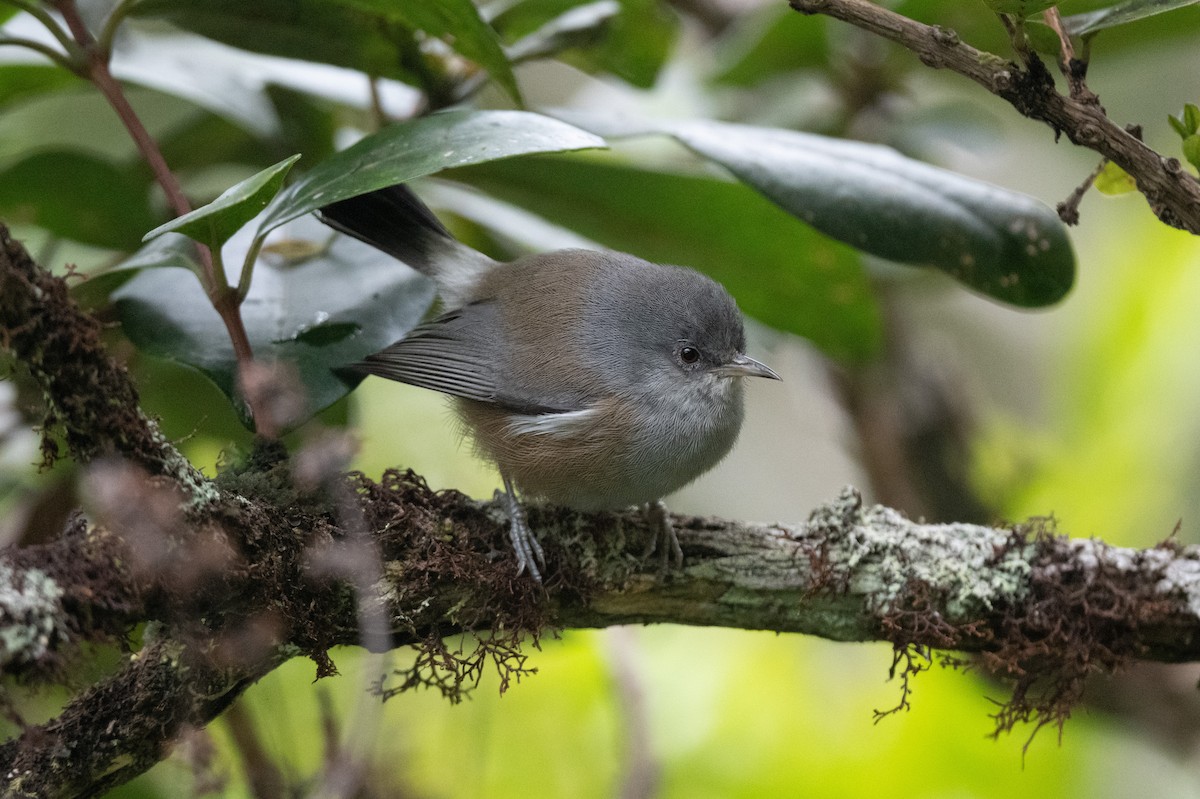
[458, 353]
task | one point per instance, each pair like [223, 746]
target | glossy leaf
[1006, 245]
[1020, 8]
[312, 30]
[635, 45]
[373, 36]
[318, 313]
[216, 222]
[575, 27]
[1093, 22]
[420, 147]
[80, 197]
[170, 249]
[780, 271]
[456, 22]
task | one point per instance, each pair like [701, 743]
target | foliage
[811, 232]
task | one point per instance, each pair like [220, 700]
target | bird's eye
[689, 355]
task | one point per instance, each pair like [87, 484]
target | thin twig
[43, 16]
[223, 297]
[1173, 194]
[55, 56]
[1068, 209]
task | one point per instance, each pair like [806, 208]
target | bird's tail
[394, 220]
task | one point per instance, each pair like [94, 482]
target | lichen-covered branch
[89, 397]
[1172, 192]
[125, 724]
[270, 576]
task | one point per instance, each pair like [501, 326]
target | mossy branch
[271, 576]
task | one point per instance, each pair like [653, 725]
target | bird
[592, 379]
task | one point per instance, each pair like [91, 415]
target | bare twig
[1173, 194]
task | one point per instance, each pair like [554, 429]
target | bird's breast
[624, 449]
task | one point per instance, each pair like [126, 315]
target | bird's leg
[662, 537]
[526, 547]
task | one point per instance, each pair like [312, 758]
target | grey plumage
[592, 379]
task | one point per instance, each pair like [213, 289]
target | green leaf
[1042, 38]
[1191, 117]
[216, 222]
[1093, 22]
[575, 27]
[1191, 150]
[171, 249]
[377, 37]
[318, 312]
[1179, 126]
[18, 81]
[1113, 180]
[1020, 8]
[312, 30]
[768, 42]
[1008, 246]
[780, 271]
[80, 197]
[457, 22]
[635, 46]
[420, 147]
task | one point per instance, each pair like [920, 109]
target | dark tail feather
[393, 220]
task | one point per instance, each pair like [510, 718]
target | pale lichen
[881, 553]
[30, 615]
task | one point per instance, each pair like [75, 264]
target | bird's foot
[662, 538]
[525, 545]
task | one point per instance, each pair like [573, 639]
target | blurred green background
[1086, 411]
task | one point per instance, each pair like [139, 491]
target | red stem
[224, 298]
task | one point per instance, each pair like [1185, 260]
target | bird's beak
[745, 366]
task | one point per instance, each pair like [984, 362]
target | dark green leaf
[80, 197]
[318, 313]
[635, 46]
[169, 250]
[1093, 22]
[214, 223]
[1042, 38]
[780, 271]
[420, 147]
[18, 81]
[458, 23]
[209, 140]
[1191, 150]
[1006, 245]
[377, 37]
[576, 27]
[312, 30]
